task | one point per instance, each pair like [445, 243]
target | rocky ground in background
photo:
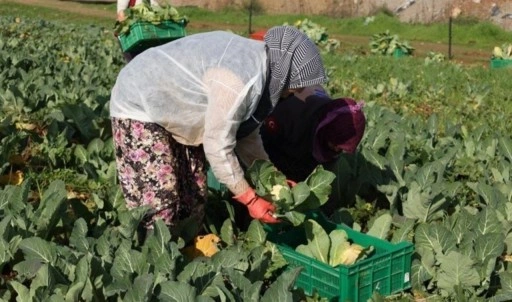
[460, 53]
[418, 11]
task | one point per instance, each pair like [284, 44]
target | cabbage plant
[503, 52]
[292, 201]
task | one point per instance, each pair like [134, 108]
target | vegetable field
[434, 169]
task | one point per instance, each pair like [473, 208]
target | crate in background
[386, 271]
[501, 63]
[143, 35]
[399, 53]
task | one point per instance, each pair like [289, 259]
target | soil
[459, 53]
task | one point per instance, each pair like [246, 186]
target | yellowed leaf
[507, 258]
[26, 126]
[351, 254]
[13, 178]
[206, 245]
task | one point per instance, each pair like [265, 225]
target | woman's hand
[120, 16]
[258, 207]
[291, 183]
[262, 210]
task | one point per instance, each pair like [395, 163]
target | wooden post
[250, 17]
[450, 38]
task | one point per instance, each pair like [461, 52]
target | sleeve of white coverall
[250, 148]
[226, 110]
[122, 5]
[156, 2]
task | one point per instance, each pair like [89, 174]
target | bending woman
[202, 99]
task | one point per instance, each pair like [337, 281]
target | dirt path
[66, 6]
[459, 53]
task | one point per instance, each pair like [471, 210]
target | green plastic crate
[213, 183]
[501, 63]
[398, 53]
[386, 271]
[143, 35]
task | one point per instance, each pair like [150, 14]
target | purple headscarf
[342, 125]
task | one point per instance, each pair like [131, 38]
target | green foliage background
[434, 167]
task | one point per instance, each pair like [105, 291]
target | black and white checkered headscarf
[294, 60]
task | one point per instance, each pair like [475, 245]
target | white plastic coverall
[200, 88]
[123, 4]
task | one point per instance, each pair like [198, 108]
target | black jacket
[287, 135]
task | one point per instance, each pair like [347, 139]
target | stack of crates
[386, 271]
[143, 35]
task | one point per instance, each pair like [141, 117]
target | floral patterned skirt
[154, 170]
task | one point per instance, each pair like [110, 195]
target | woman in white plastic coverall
[122, 5]
[197, 99]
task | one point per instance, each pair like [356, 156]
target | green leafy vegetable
[503, 52]
[317, 34]
[334, 248]
[385, 44]
[291, 202]
[144, 12]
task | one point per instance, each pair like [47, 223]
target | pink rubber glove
[291, 183]
[258, 207]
